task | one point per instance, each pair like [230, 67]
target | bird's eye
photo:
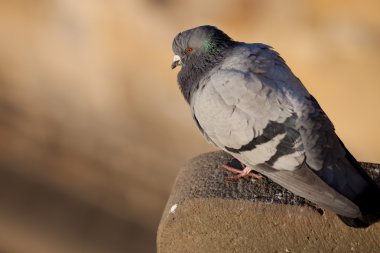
[188, 50]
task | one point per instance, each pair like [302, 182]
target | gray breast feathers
[241, 110]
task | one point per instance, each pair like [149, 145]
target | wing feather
[308, 185]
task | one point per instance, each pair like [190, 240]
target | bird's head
[199, 45]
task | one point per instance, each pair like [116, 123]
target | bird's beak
[176, 61]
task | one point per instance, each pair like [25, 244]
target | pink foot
[245, 173]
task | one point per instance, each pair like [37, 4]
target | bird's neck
[195, 70]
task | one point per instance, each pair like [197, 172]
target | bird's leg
[245, 173]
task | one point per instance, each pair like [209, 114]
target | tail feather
[361, 222]
[353, 222]
[369, 204]
[368, 201]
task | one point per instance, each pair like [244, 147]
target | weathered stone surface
[205, 213]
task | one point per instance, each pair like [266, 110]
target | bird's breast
[235, 115]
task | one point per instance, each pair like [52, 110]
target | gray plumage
[246, 101]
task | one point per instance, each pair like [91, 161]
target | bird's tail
[368, 201]
[369, 204]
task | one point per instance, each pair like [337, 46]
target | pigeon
[246, 101]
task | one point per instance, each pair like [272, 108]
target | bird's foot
[245, 173]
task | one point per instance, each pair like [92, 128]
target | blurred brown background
[93, 128]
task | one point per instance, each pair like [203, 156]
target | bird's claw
[245, 173]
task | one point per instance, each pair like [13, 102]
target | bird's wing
[255, 108]
[326, 177]
[305, 183]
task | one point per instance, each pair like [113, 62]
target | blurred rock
[35, 218]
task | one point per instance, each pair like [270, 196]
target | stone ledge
[205, 213]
